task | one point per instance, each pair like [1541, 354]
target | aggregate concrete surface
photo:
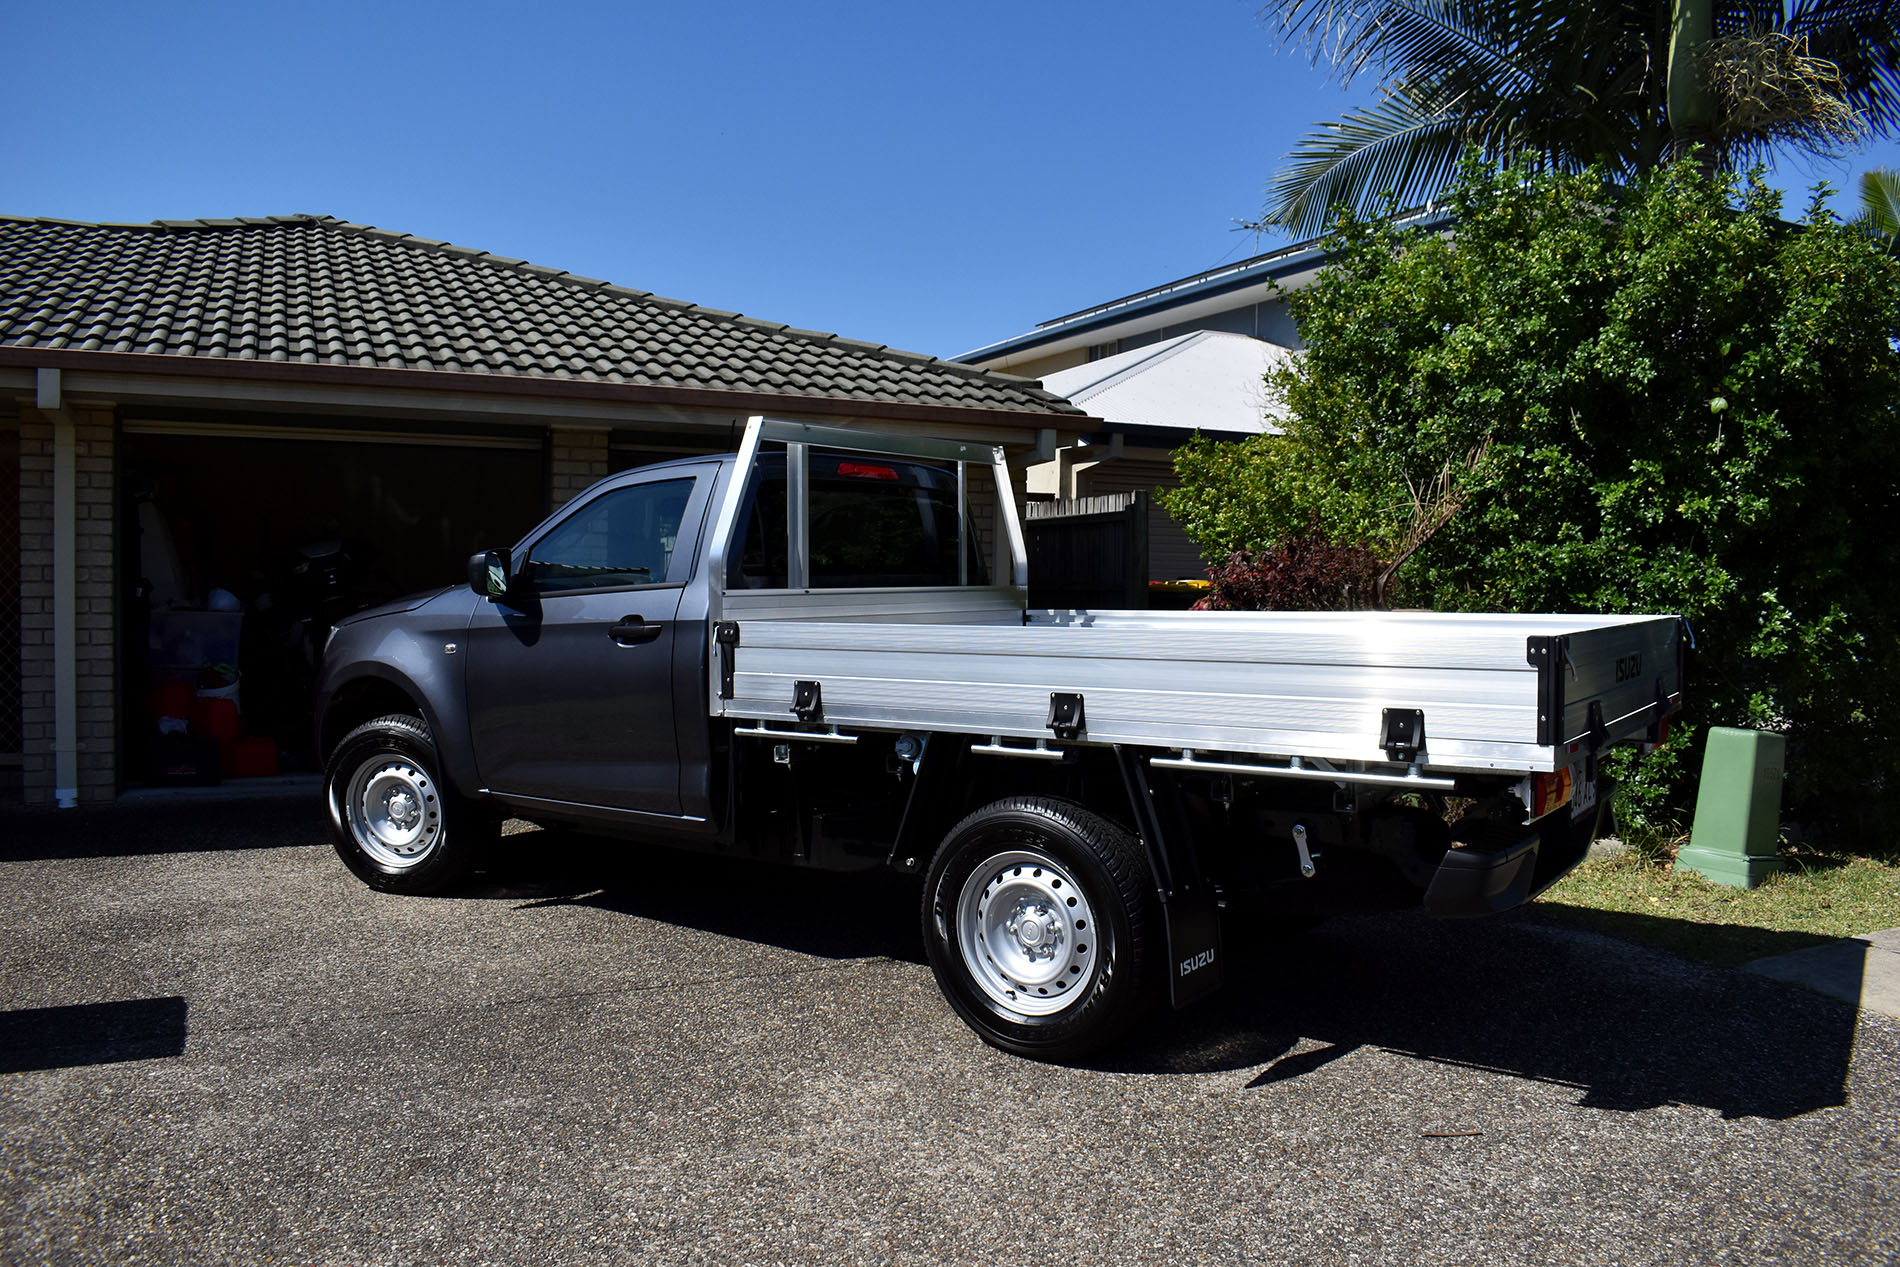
[218, 1046]
[1864, 970]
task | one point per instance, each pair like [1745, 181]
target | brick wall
[9, 602]
[95, 651]
[580, 458]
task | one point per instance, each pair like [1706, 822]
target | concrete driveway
[217, 1046]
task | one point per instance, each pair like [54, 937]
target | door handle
[633, 629]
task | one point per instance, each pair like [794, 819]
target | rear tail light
[1550, 792]
[865, 471]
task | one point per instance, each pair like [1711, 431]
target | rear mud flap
[1194, 963]
[1190, 906]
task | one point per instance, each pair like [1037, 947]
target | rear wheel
[396, 825]
[1039, 922]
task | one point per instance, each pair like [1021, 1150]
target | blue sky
[930, 177]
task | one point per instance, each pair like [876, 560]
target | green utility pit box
[1738, 810]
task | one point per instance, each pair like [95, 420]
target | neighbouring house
[215, 435]
[1152, 400]
[1160, 366]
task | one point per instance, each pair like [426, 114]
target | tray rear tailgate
[1610, 682]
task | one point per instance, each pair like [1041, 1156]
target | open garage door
[242, 544]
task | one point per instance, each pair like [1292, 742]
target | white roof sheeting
[1207, 381]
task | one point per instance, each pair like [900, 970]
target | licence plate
[1583, 794]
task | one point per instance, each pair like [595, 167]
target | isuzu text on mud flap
[810, 653]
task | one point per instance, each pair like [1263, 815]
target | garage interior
[241, 543]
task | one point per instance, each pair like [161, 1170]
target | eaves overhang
[149, 374]
[1262, 273]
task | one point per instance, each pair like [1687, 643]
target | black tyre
[396, 824]
[1042, 927]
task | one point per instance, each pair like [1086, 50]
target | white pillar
[65, 592]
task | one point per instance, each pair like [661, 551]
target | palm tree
[1627, 84]
[1880, 203]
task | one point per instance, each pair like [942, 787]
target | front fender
[415, 653]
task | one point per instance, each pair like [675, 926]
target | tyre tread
[1119, 852]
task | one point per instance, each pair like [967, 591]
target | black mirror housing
[490, 573]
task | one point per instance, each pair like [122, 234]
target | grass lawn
[1638, 895]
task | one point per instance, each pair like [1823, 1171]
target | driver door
[570, 679]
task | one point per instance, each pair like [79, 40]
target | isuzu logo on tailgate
[1630, 667]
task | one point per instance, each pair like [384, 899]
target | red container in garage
[253, 758]
[217, 718]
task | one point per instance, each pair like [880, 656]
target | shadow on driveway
[870, 914]
[1630, 1029]
[120, 831]
[91, 1033]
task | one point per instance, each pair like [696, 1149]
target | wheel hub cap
[404, 810]
[1036, 930]
[1026, 932]
[395, 812]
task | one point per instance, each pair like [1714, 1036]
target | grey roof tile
[316, 290]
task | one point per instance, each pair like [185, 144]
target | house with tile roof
[210, 408]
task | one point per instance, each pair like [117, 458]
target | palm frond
[1433, 40]
[1405, 146]
[1880, 201]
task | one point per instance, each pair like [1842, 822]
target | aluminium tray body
[1506, 693]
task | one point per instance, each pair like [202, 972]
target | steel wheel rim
[395, 812]
[1027, 933]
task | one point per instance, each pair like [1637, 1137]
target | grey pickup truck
[817, 652]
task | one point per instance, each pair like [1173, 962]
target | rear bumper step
[1474, 882]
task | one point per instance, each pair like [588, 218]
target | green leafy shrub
[1591, 398]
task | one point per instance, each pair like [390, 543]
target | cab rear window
[873, 523]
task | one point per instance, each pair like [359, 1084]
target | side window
[621, 538]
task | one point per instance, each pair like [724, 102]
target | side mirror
[490, 573]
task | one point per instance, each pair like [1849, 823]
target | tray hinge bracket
[1402, 733]
[808, 701]
[1066, 716]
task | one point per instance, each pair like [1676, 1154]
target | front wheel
[1039, 923]
[396, 825]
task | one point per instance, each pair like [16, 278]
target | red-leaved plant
[1304, 572]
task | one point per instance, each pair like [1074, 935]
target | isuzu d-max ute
[806, 653]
